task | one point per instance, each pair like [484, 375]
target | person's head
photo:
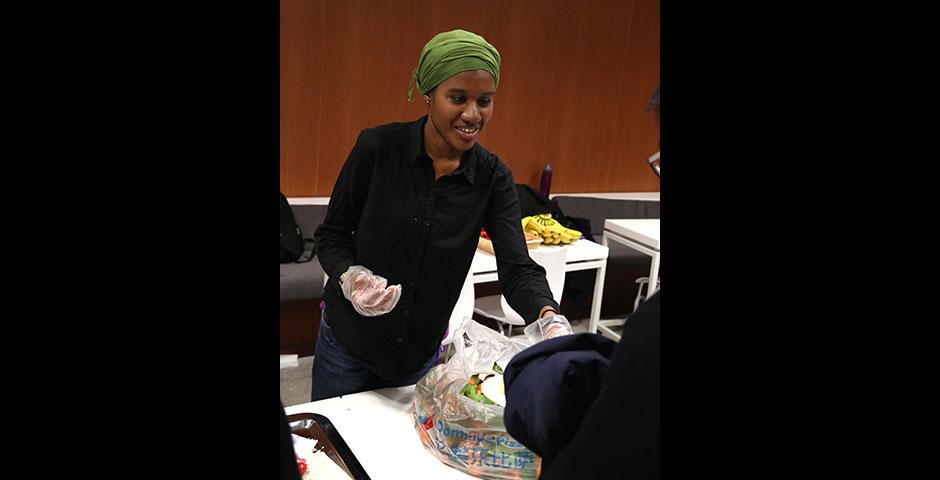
[457, 75]
[654, 104]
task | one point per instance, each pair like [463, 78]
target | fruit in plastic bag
[462, 432]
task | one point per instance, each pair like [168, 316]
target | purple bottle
[546, 180]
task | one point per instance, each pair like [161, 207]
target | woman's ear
[427, 99]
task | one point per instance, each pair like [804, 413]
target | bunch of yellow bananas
[552, 232]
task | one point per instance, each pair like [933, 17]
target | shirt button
[427, 222]
[398, 339]
[414, 219]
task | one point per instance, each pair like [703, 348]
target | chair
[462, 311]
[640, 297]
[552, 259]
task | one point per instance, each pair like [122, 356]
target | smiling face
[458, 108]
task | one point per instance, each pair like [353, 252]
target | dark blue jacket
[554, 405]
[550, 387]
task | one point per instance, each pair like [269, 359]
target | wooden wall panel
[302, 30]
[576, 77]
[369, 57]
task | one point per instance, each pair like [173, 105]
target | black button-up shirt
[389, 214]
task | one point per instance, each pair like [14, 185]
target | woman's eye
[458, 99]
[485, 101]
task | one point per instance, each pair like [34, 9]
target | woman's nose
[471, 113]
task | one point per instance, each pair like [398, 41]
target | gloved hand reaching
[368, 293]
[548, 327]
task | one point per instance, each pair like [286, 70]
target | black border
[161, 294]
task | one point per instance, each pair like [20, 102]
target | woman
[402, 228]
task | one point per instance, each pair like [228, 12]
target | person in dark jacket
[550, 387]
[588, 406]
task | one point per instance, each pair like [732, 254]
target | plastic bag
[465, 434]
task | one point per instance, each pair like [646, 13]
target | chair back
[553, 260]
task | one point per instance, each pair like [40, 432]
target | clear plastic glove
[548, 327]
[369, 293]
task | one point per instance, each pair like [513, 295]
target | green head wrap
[450, 53]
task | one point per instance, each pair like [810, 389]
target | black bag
[292, 240]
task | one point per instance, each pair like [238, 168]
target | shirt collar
[468, 160]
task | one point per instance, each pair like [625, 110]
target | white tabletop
[579, 251]
[379, 429]
[644, 196]
[642, 230]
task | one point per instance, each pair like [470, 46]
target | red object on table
[301, 465]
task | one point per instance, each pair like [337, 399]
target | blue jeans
[336, 371]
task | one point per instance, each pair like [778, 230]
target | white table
[582, 255]
[641, 235]
[379, 429]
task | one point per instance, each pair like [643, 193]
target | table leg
[596, 299]
[598, 291]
